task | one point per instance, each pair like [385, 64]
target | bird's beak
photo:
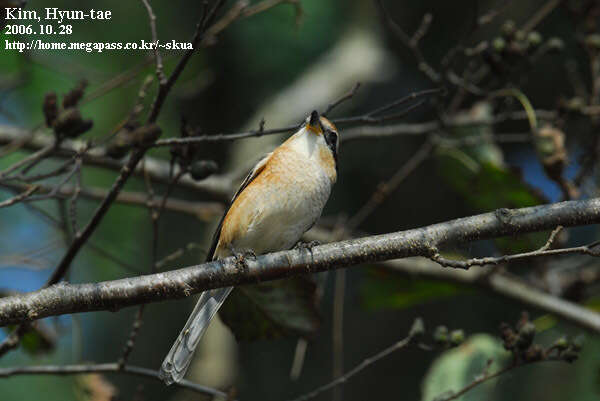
[314, 123]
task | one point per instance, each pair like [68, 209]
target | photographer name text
[54, 14]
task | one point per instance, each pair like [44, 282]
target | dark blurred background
[269, 66]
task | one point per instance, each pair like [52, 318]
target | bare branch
[111, 295]
[551, 238]
[539, 16]
[412, 43]
[158, 58]
[416, 330]
[83, 236]
[166, 86]
[103, 368]
[266, 4]
[370, 117]
[33, 158]
[341, 100]
[502, 284]
[15, 199]
[384, 189]
[204, 211]
[337, 331]
[543, 251]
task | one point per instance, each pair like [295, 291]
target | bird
[281, 198]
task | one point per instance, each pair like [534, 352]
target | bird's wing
[260, 166]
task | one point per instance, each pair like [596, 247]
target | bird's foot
[241, 257]
[250, 254]
[302, 245]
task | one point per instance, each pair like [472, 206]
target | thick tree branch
[112, 295]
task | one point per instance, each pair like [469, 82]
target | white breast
[290, 204]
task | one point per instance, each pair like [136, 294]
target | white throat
[306, 143]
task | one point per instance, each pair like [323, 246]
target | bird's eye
[331, 138]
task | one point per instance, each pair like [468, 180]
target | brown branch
[388, 187]
[337, 331]
[166, 86]
[220, 187]
[341, 100]
[416, 330]
[204, 211]
[29, 160]
[103, 368]
[370, 117]
[111, 295]
[158, 58]
[486, 376]
[412, 43]
[81, 237]
[539, 16]
[543, 251]
[18, 198]
[424, 128]
[267, 4]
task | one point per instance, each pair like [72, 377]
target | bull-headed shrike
[281, 198]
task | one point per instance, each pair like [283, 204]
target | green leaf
[486, 187]
[383, 289]
[272, 310]
[457, 367]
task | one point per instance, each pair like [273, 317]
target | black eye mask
[331, 139]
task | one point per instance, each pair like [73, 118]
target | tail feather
[178, 359]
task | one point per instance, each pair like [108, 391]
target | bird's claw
[301, 245]
[241, 257]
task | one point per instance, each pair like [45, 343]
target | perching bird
[281, 198]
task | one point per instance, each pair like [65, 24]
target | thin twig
[165, 87]
[369, 117]
[411, 43]
[385, 189]
[158, 58]
[20, 197]
[551, 238]
[204, 211]
[103, 368]
[84, 235]
[540, 14]
[267, 4]
[486, 376]
[73, 200]
[341, 100]
[338, 330]
[29, 160]
[543, 251]
[177, 253]
[417, 329]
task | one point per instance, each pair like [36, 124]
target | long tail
[178, 359]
